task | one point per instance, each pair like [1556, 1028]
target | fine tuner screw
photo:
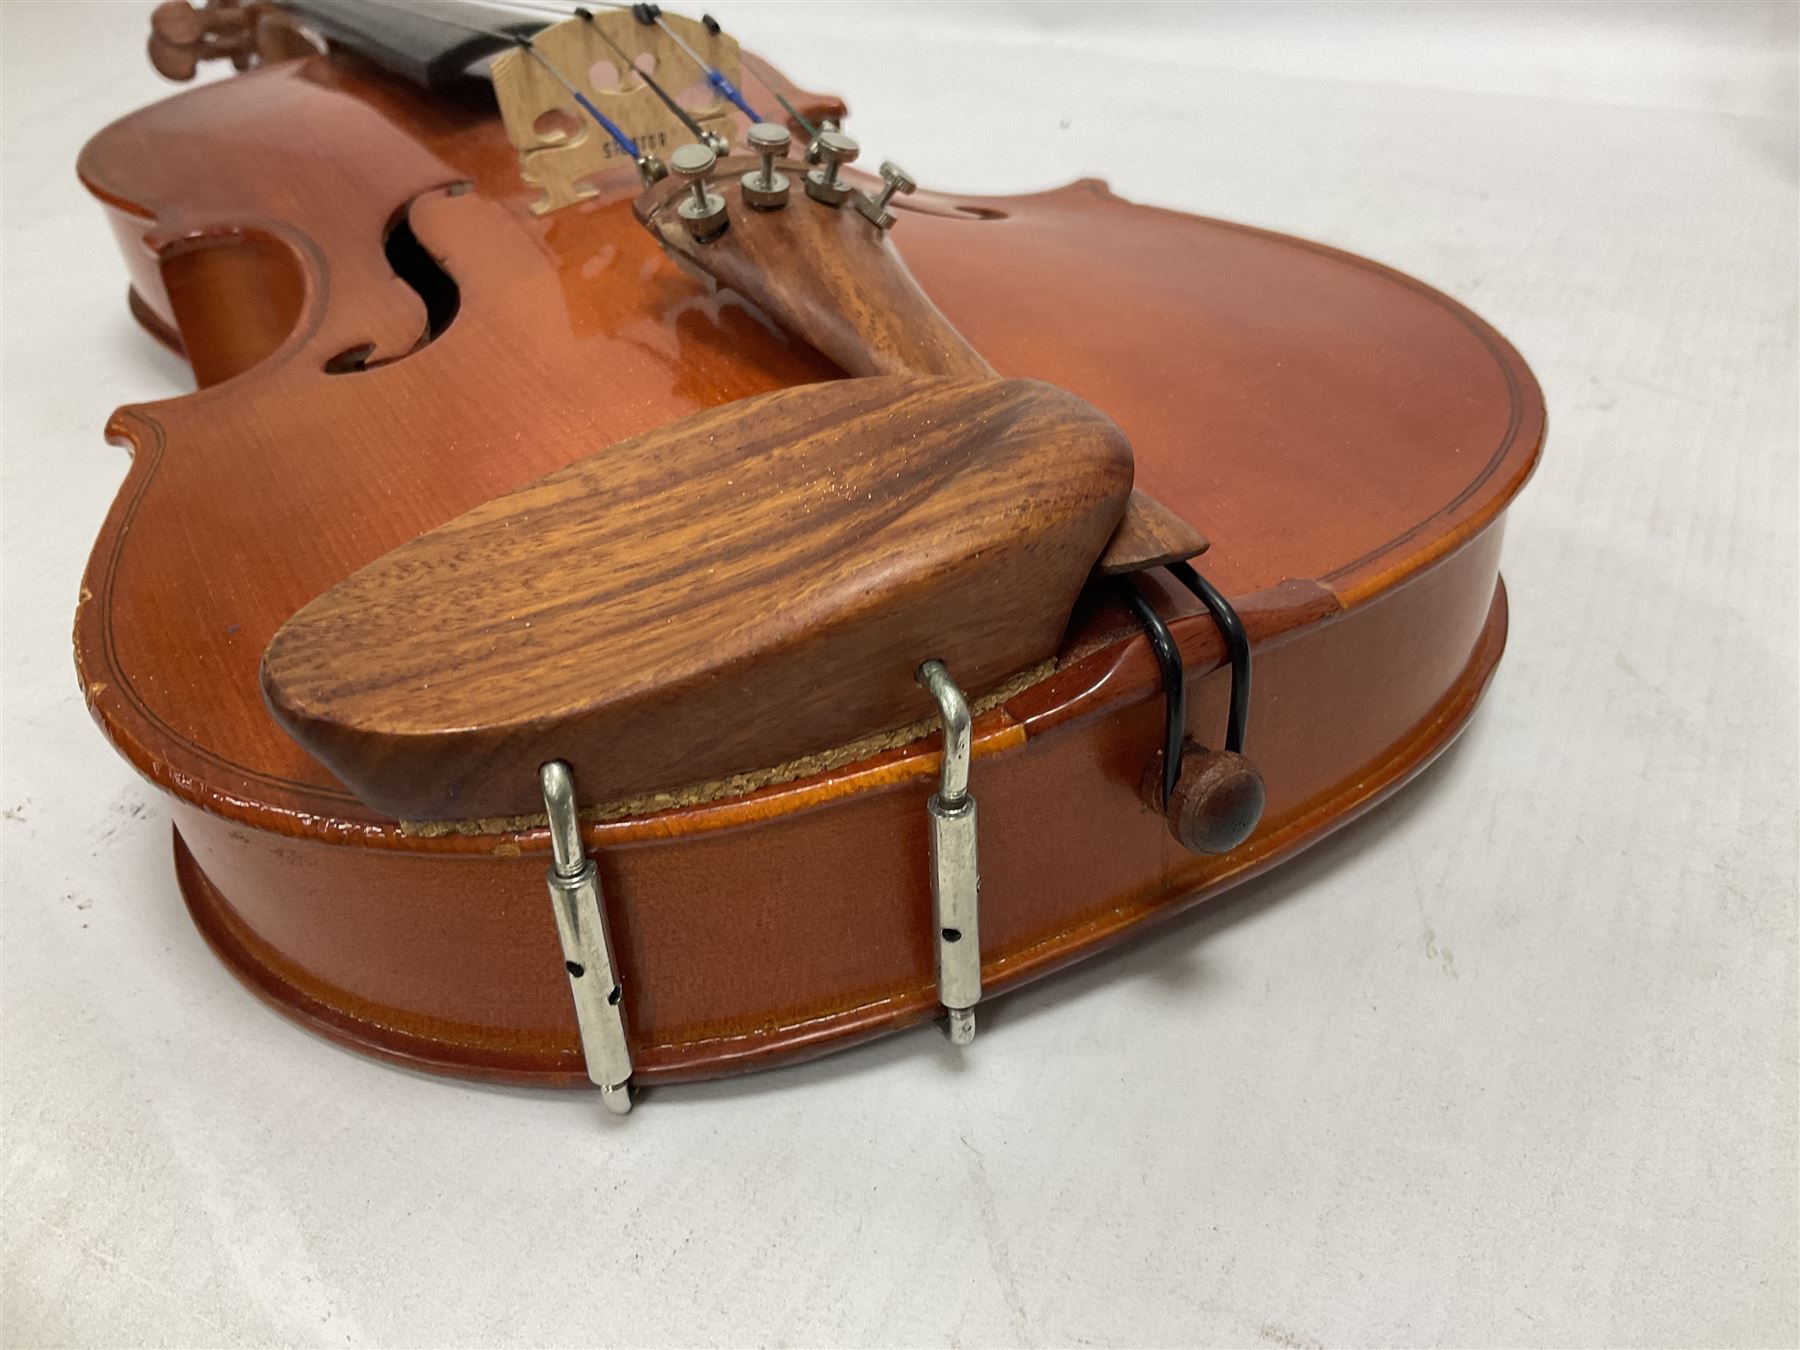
[766, 189]
[812, 146]
[823, 183]
[701, 210]
[894, 179]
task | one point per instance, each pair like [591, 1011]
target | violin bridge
[580, 909]
[955, 861]
[560, 144]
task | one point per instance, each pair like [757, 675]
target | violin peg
[178, 22]
[1217, 802]
[181, 37]
[228, 23]
[172, 60]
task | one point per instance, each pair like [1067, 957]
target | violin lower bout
[798, 920]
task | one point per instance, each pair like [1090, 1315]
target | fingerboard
[409, 40]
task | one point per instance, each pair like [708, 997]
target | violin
[634, 597]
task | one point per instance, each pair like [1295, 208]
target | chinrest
[749, 586]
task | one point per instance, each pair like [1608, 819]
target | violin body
[385, 336]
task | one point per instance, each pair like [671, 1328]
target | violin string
[521, 41]
[652, 14]
[694, 128]
[793, 112]
[714, 77]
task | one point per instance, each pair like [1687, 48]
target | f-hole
[437, 291]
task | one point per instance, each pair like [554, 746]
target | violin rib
[1347, 438]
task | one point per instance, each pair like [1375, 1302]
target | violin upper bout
[239, 241]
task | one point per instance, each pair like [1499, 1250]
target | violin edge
[311, 810]
[549, 1055]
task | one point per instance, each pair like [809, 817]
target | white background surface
[1513, 1060]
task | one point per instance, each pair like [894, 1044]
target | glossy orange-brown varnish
[1346, 437]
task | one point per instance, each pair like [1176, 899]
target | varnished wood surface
[1149, 535]
[822, 272]
[739, 589]
[1346, 437]
[830, 277]
[756, 935]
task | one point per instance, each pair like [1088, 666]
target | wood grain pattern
[832, 279]
[1348, 438]
[823, 273]
[742, 588]
[1149, 535]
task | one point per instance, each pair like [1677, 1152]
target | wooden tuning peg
[182, 36]
[173, 60]
[177, 22]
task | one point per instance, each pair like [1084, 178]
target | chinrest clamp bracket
[955, 861]
[580, 908]
[1213, 798]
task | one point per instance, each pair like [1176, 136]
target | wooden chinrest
[748, 586]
